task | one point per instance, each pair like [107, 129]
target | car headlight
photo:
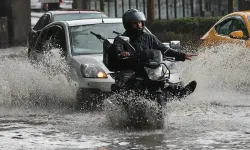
[92, 71]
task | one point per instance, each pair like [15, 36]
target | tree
[150, 12]
[80, 4]
[102, 5]
[85, 4]
[230, 6]
[74, 4]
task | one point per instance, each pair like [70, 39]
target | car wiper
[116, 32]
[98, 36]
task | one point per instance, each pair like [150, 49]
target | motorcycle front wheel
[160, 116]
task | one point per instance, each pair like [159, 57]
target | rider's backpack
[110, 59]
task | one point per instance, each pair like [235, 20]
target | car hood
[96, 59]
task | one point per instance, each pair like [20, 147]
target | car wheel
[87, 100]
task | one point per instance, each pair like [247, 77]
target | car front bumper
[104, 85]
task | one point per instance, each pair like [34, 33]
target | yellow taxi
[232, 28]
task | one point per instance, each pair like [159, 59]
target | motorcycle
[151, 79]
[148, 79]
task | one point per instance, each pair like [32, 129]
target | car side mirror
[236, 34]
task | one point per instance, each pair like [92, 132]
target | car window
[223, 28]
[58, 39]
[44, 36]
[83, 42]
[78, 16]
[42, 22]
[236, 25]
[230, 25]
[52, 37]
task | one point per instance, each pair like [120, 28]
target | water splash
[43, 84]
[131, 110]
[221, 99]
[221, 73]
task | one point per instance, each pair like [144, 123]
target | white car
[67, 4]
[58, 4]
[83, 53]
[37, 5]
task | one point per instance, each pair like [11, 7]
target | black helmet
[132, 15]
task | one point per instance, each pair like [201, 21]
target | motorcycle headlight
[173, 68]
[154, 74]
[92, 71]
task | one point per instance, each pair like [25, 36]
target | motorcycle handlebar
[172, 59]
[124, 57]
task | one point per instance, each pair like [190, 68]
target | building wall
[20, 20]
[164, 9]
[243, 5]
[3, 8]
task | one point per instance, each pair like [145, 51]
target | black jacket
[148, 41]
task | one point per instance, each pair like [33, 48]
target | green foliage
[194, 25]
[74, 4]
[102, 5]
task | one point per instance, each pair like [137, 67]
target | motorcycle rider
[134, 22]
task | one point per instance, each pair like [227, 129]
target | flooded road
[37, 109]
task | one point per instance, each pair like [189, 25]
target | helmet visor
[138, 16]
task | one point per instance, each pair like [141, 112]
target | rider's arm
[169, 52]
[120, 49]
[118, 46]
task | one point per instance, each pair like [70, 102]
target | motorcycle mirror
[175, 44]
[166, 44]
[124, 40]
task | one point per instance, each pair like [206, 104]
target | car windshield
[79, 16]
[83, 42]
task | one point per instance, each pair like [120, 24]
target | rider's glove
[125, 54]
